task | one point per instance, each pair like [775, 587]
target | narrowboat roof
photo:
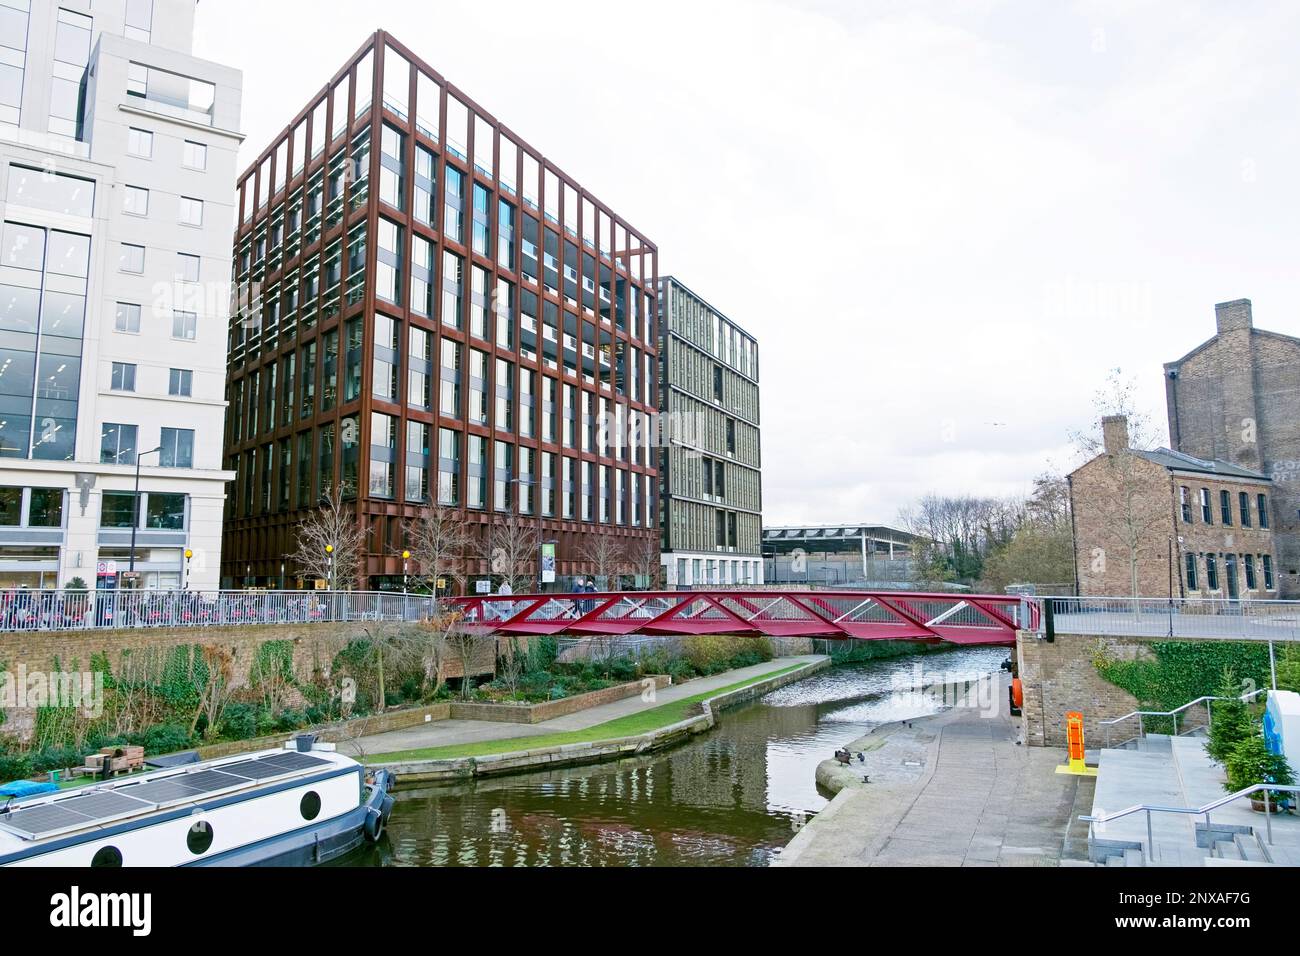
[92, 807]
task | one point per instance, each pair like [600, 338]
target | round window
[107, 856]
[310, 805]
[199, 839]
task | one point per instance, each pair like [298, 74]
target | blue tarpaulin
[20, 789]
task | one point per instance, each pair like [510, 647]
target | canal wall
[137, 652]
[579, 754]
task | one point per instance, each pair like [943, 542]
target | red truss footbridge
[836, 615]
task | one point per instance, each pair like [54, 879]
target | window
[453, 289]
[1250, 572]
[194, 155]
[448, 467]
[131, 259]
[1207, 511]
[123, 377]
[1261, 504]
[1267, 561]
[139, 142]
[1225, 508]
[454, 201]
[117, 444]
[185, 326]
[383, 453]
[187, 267]
[481, 237]
[1243, 505]
[128, 318]
[37, 189]
[426, 178]
[1191, 573]
[392, 175]
[68, 90]
[388, 266]
[117, 510]
[139, 20]
[1211, 572]
[177, 448]
[164, 512]
[449, 395]
[1185, 501]
[135, 201]
[181, 382]
[200, 837]
[191, 211]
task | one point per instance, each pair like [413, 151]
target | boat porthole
[199, 839]
[107, 856]
[310, 805]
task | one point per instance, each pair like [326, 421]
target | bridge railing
[1177, 617]
[34, 610]
[867, 615]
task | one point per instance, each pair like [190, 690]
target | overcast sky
[943, 222]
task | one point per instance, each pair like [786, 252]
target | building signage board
[548, 562]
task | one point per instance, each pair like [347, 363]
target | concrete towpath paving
[951, 790]
[449, 733]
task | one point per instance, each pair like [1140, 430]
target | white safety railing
[1177, 617]
[1267, 789]
[1142, 715]
[31, 610]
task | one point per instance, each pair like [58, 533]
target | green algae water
[732, 797]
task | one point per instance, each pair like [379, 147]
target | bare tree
[331, 541]
[435, 647]
[439, 540]
[465, 645]
[216, 690]
[510, 548]
[643, 559]
[606, 555]
[1116, 398]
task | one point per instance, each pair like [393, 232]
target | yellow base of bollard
[1077, 768]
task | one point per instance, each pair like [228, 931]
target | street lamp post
[406, 568]
[329, 572]
[135, 522]
[189, 556]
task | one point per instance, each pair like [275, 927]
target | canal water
[732, 797]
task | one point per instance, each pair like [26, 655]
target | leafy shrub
[239, 722]
[166, 739]
[15, 767]
[1251, 762]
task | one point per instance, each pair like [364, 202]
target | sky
[945, 223]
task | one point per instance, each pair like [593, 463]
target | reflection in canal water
[732, 797]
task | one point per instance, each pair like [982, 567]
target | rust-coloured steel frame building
[479, 375]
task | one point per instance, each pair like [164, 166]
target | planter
[1257, 804]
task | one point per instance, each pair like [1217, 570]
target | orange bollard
[1074, 744]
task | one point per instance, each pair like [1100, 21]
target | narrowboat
[300, 806]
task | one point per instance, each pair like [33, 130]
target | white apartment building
[117, 164]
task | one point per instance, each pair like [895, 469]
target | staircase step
[1134, 858]
[1116, 861]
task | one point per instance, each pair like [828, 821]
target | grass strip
[633, 725]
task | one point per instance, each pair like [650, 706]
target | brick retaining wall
[1062, 677]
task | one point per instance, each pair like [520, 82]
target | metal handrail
[1207, 700]
[1206, 810]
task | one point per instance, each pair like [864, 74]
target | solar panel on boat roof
[292, 760]
[205, 781]
[103, 804]
[43, 819]
[255, 769]
[159, 791]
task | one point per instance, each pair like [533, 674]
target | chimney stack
[1114, 430]
[1234, 316]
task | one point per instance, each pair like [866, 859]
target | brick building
[1236, 397]
[436, 313]
[1184, 526]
